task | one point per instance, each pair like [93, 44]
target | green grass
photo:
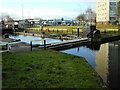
[108, 27]
[71, 29]
[47, 69]
[64, 27]
[75, 27]
[57, 29]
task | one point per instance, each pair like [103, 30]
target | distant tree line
[88, 16]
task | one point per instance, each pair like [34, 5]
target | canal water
[105, 59]
[28, 39]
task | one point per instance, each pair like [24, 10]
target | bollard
[31, 46]
[78, 31]
[7, 45]
[60, 37]
[44, 44]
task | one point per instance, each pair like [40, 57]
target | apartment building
[118, 11]
[106, 12]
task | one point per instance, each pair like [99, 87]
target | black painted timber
[68, 44]
[110, 39]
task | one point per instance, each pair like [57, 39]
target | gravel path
[17, 47]
[21, 47]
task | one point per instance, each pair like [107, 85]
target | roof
[9, 23]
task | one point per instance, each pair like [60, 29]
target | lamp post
[22, 12]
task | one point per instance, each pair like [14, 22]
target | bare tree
[62, 19]
[6, 17]
[81, 17]
[90, 15]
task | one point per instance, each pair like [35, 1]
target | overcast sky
[46, 9]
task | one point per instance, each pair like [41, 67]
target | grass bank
[107, 27]
[63, 27]
[71, 29]
[47, 69]
[57, 29]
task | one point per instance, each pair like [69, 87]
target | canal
[28, 39]
[105, 60]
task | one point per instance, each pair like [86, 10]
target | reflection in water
[114, 65]
[94, 45]
[105, 60]
[107, 63]
[102, 61]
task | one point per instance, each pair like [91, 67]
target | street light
[22, 11]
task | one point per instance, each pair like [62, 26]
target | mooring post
[31, 45]
[7, 45]
[60, 37]
[78, 31]
[44, 44]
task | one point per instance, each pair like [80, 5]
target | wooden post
[31, 45]
[78, 31]
[60, 37]
[44, 44]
